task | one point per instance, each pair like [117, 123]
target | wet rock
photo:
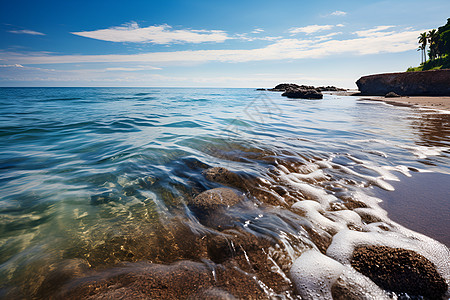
[59, 274]
[399, 270]
[303, 93]
[216, 198]
[212, 294]
[142, 281]
[182, 280]
[233, 243]
[391, 95]
[320, 238]
[224, 176]
[356, 288]
[210, 207]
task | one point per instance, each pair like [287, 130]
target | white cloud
[11, 66]
[327, 36]
[367, 42]
[245, 37]
[25, 31]
[162, 34]
[374, 32]
[258, 30]
[132, 69]
[338, 13]
[310, 29]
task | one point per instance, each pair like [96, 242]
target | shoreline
[432, 102]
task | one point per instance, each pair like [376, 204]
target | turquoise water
[82, 168]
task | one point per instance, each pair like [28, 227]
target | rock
[210, 207]
[392, 95]
[355, 286]
[399, 270]
[261, 89]
[182, 280]
[224, 176]
[216, 198]
[424, 83]
[330, 89]
[303, 93]
[212, 294]
[282, 87]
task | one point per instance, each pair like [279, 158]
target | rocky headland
[424, 83]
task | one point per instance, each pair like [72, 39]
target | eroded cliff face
[425, 83]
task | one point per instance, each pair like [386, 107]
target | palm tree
[423, 39]
[433, 42]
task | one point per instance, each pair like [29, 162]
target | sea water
[95, 173]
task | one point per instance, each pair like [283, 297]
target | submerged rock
[182, 280]
[210, 207]
[400, 270]
[303, 93]
[224, 176]
[216, 198]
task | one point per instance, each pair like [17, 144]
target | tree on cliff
[444, 38]
[423, 39]
[433, 41]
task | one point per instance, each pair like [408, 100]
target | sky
[209, 43]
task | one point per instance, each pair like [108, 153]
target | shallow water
[104, 175]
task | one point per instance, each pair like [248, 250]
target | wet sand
[420, 203]
[436, 102]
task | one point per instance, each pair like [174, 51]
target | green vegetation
[438, 42]
[436, 64]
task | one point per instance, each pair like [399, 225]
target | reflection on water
[433, 128]
[95, 178]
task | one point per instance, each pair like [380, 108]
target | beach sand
[435, 102]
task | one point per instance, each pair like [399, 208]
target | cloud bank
[162, 34]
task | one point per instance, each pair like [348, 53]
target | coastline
[433, 102]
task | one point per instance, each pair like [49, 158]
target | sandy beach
[436, 102]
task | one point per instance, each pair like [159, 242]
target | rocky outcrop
[392, 95]
[303, 93]
[330, 88]
[292, 90]
[425, 83]
[283, 87]
[400, 270]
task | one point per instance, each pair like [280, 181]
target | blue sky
[208, 43]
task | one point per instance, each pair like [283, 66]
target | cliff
[425, 83]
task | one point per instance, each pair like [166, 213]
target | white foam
[378, 181]
[314, 274]
[313, 212]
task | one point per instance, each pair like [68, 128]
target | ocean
[92, 178]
